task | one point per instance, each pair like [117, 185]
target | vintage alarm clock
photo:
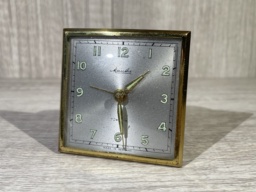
[123, 94]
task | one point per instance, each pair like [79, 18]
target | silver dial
[143, 121]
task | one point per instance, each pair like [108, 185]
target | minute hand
[130, 86]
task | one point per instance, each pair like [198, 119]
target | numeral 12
[123, 52]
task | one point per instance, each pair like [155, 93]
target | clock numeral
[123, 52]
[81, 65]
[96, 50]
[118, 137]
[150, 53]
[93, 132]
[144, 140]
[165, 97]
[162, 126]
[79, 118]
[166, 71]
[79, 91]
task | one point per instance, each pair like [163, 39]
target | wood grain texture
[223, 32]
[31, 33]
[222, 45]
[220, 148]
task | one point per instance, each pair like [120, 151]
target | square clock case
[123, 94]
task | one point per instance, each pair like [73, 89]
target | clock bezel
[182, 89]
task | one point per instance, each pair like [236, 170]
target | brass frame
[182, 90]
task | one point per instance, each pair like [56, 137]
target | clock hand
[130, 86]
[121, 119]
[121, 95]
[101, 89]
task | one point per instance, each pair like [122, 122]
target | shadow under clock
[204, 127]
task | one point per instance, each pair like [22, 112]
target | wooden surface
[220, 147]
[223, 32]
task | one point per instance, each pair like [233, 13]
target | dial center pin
[120, 95]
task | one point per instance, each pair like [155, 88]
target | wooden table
[219, 155]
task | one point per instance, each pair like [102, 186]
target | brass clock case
[182, 36]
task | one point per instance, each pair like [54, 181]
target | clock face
[123, 94]
[98, 68]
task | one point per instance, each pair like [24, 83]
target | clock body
[97, 64]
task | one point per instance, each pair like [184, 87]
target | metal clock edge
[182, 96]
[117, 156]
[73, 32]
[64, 88]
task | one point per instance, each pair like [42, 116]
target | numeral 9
[79, 91]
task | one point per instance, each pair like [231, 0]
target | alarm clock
[123, 94]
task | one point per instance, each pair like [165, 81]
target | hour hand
[101, 89]
[130, 86]
[121, 119]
